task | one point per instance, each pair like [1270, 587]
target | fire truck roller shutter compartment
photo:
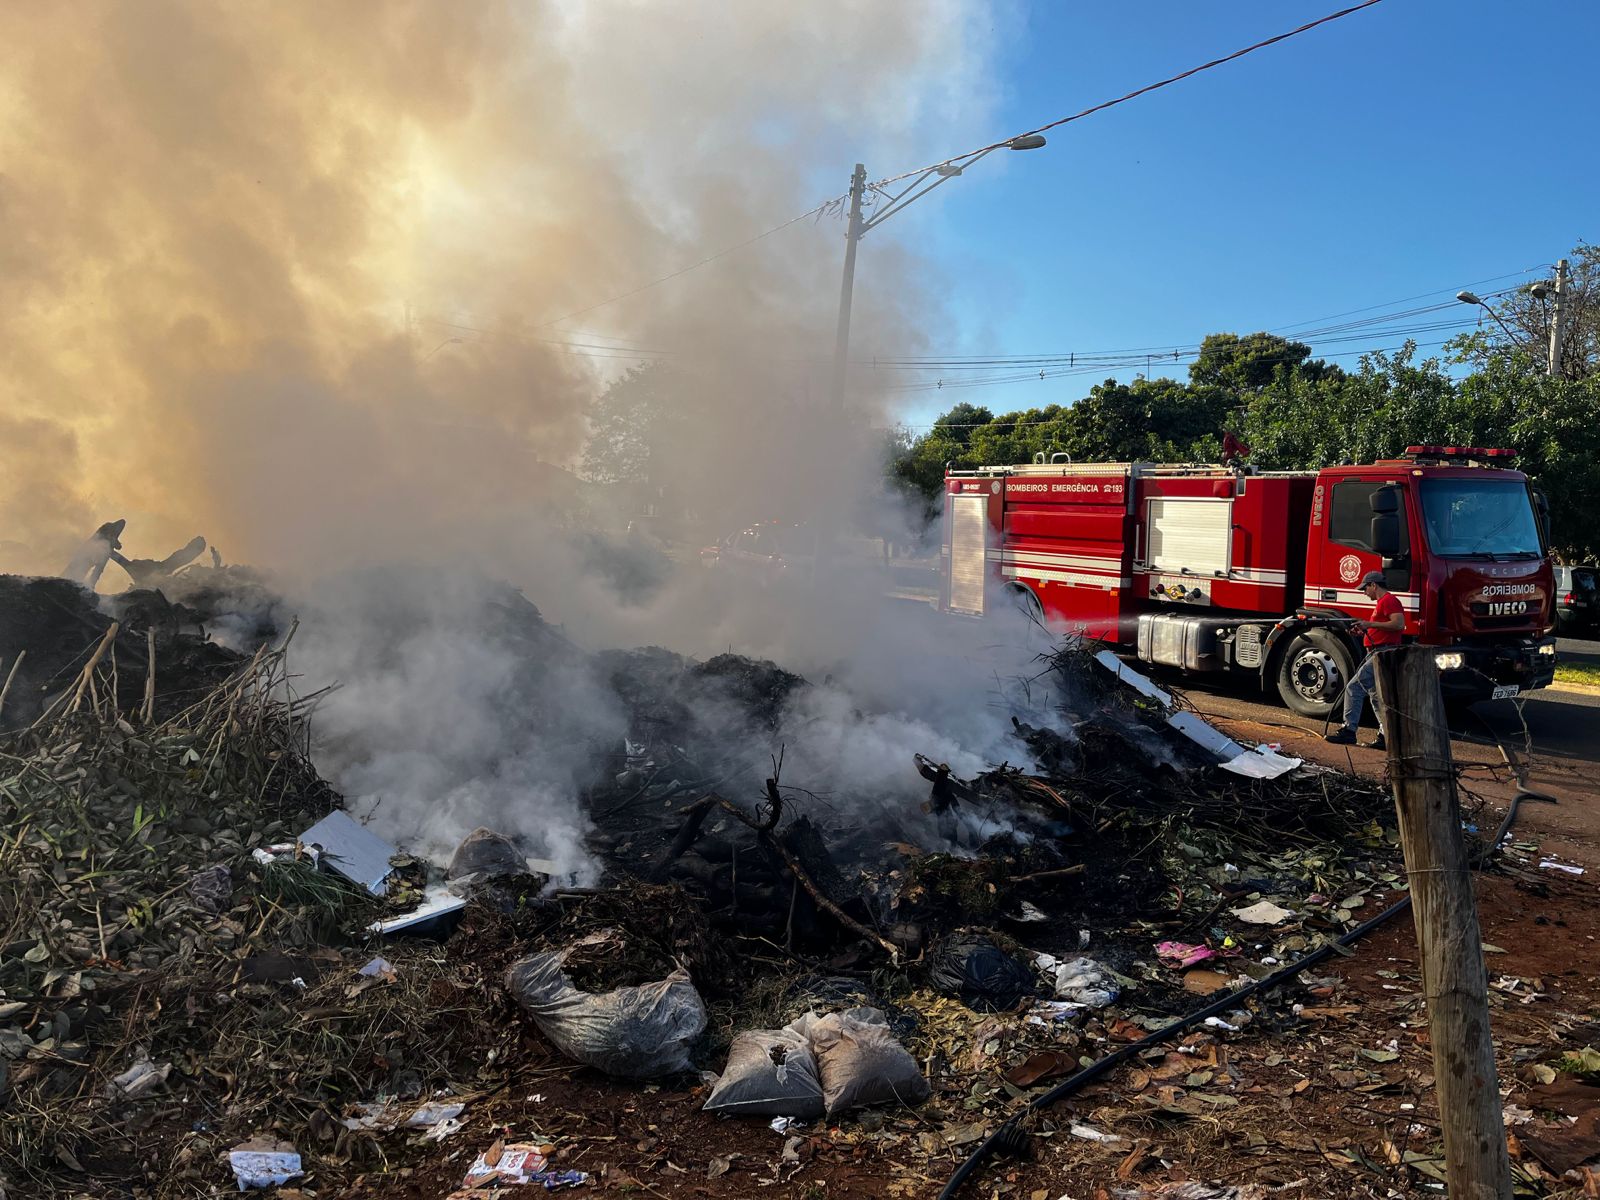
[1190, 533]
[969, 546]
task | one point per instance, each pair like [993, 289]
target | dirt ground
[1332, 1100]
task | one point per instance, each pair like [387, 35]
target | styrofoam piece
[351, 849]
[1132, 678]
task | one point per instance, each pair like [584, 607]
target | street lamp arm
[1472, 298]
[899, 201]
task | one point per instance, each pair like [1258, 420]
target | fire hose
[1011, 1137]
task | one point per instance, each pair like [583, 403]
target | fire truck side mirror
[1385, 533]
[1541, 504]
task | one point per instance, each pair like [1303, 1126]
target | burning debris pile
[183, 967]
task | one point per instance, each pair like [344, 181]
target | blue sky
[1411, 148]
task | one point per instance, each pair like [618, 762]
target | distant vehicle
[764, 551]
[1215, 568]
[1578, 601]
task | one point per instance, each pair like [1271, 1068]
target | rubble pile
[192, 975]
[49, 628]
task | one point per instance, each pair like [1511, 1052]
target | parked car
[1578, 601]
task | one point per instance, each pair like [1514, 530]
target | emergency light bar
[1461, 453]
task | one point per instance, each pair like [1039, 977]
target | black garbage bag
[485, 854]
[979, 973]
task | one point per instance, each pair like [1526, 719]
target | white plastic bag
[1084, 981]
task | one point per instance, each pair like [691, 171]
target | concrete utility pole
[1557, 319]
[1454, 981]
[847, 287]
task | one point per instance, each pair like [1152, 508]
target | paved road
[1573, 650]
[1555, 734]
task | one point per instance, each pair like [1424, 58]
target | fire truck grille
[1519, 622]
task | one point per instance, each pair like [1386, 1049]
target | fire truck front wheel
[1313, 671]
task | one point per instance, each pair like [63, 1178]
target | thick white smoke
[289, 276]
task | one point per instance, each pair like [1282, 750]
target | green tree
[959, 423]
[626, 424]
[1250, 363]
[1529, 312]
[1302, 414]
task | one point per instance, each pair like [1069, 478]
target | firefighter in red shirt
[1383, 632]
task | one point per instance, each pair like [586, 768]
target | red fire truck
[1222, 568]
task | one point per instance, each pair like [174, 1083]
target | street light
[1473, 298]
[910, 193]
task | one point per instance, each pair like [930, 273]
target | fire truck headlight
[1450, 660]
[1548, 648]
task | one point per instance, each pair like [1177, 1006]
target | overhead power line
[1149, 87]
[710, 258]
[1000, 369]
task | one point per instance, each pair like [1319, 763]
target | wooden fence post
[1454, 980]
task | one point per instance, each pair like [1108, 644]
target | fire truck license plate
[1505, 691]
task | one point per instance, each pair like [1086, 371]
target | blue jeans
[1355, 695]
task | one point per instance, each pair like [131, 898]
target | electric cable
[1150, 87]
[710, 258]
[1012, 1137]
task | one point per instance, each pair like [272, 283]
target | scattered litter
[1090, 1134]
[1219, 1023]
[436, 916]
[390, 1114]
[1051, 1012]
[263, 1163]
[637, 1032]
[139, 1080]
[785, 1125]
[1081, 981]
[1031, 914]
[212, 888]
[1261, 762]
[1263, 912]
[380, 968]
[979, 973]
[433, 1112]
[281, 852]
[769, 1072]
[352, 850]
[1178, 955]
[1550, 864]
[518, 1163]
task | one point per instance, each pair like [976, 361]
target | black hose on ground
[1011, 1137]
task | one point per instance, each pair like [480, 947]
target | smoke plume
[298, 277]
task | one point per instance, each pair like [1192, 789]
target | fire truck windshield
[1480, 518]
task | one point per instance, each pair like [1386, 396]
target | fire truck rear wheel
[1312, 672]
[1027, 603]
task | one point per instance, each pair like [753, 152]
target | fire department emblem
[1349, 568]
[995, 487]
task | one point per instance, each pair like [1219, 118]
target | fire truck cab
[1220, 568]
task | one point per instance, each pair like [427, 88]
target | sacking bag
[770, 1073]
[636, 1032]
[859, 1061]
